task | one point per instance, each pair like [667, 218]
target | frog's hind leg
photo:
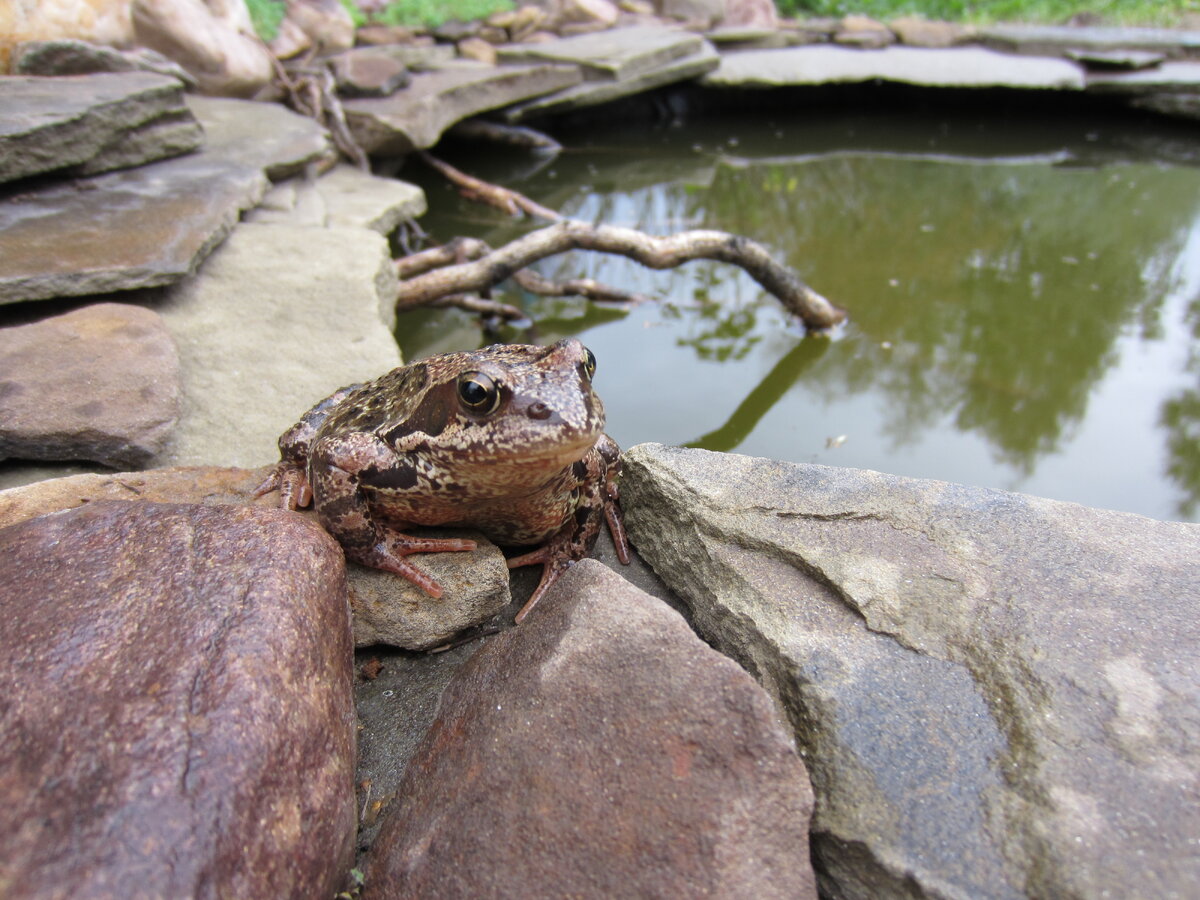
[343, 511]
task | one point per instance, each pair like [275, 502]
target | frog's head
[523, 410]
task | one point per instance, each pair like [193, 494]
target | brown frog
[508, 440]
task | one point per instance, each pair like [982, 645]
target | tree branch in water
[480, 274]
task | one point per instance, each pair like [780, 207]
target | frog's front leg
[338, 467]
[290, 474]
[598, 499]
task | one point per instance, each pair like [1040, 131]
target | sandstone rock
[178, 715]
[213, 39]
[634, 761]
[390, 610]
[377, 35]
[416, 117]
[100, 383]
[152, 225]
[917, 32]
[85, 125]
[738, 37]
[453, 31]
[326, 23]
[618, 54]
[343, 197]
[124, 230]
[206, 485]
[1117, 60]
[863, 32]
[593, 93]
[1054, 40]
[385, 609]
[955, 67]
[589, 12]
[264, 136]
[70, 57]
[245, 327]
[525, 21]
[994, 693]
[477, 49]
[704, 12]
[368, 72]
[96, 21]
[750, 13]
[1170, 77]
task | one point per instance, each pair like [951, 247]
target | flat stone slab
[276, 319]
[415, 117]
[619, 53]
[86, 124]
[151, 225]
[344, 197]
[593, 93]
[1041, 40]
[132, 229]
[99, 383]
[957, 67]
[1170, 77]
[268, 136]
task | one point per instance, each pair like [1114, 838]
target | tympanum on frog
[508, 440]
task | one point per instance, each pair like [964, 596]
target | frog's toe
[292, 483]
[551, 572]
[390, 555]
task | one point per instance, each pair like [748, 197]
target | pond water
[1024, 295]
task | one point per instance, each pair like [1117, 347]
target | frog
[508, 440]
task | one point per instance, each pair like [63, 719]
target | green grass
[267, 14]
[429, 12]
[1114, 12]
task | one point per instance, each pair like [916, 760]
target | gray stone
[368, 72]
[1106, 60]
[918, 32]
[739, 38]
[996, 694]
[266, 136]
[957, 67]
[593, 93]
[82, 125]
[100, 383]
[633, 761]
[1170, 77]
[392, 610]
[178, 717]
[417, 57]
[70, 57]
[152, 225]
[416, 117]
[133, 229]
[618, 53]
[343, 197]
[1183, 106]
[245, 327]
[1049, 40]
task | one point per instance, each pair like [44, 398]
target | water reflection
[1020, 319]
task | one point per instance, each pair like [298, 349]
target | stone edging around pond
[991, 692]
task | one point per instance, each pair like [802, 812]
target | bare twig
[480, 305]
[654, 252]
[512, 202]
[575, 287]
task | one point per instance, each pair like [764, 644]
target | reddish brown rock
[177, 713]
[599, 750]
[386, 609]
[368, 72]
[100, 383]
[864, 33]
[917, 32]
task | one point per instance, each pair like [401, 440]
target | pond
[1024, 294]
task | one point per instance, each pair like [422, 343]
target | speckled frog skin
[508, 440]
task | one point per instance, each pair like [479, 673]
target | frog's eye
[589, 363]
[478, 393]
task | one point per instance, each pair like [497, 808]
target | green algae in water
[1025, 301]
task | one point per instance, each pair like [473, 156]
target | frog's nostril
[538, 410]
